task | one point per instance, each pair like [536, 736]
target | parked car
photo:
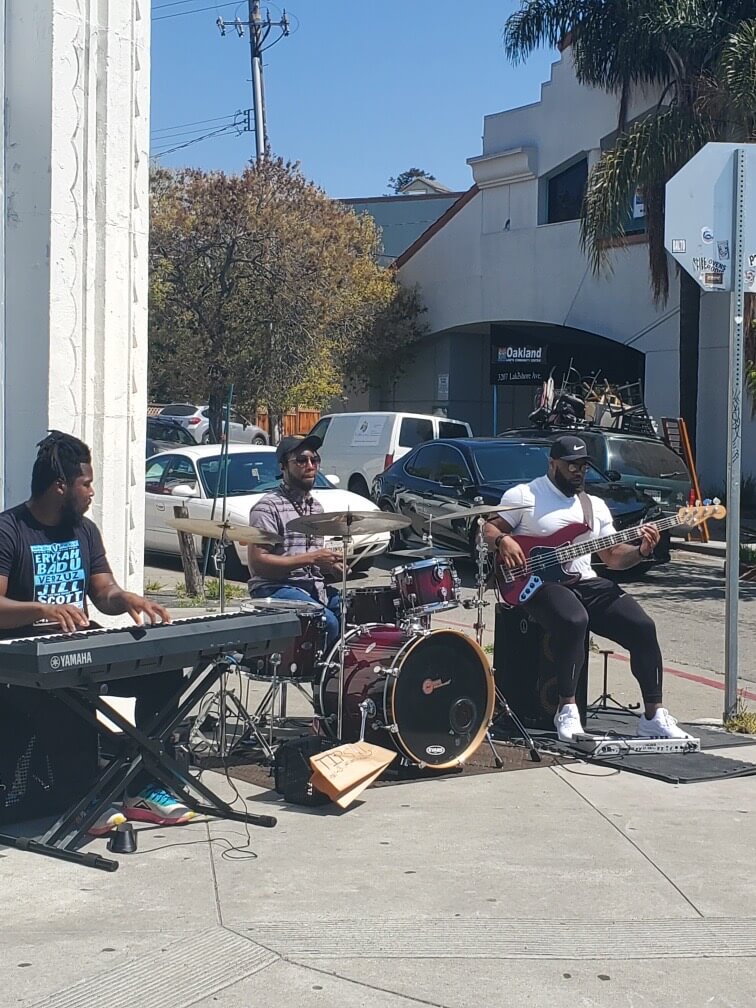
[435, 479]
[191, 476]
[196, 419]
[645, 463]
[163, 433]
[358, 446]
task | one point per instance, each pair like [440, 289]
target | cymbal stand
[479, 603]
[345, 542]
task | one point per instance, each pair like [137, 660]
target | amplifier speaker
[48, 755]
[524, 669]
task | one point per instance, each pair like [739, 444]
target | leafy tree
[261, 281]
[404, 178]
[684, 48]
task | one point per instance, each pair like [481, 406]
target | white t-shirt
[542, 509]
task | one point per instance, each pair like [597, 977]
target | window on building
[565, 193]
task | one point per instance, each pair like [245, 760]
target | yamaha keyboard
[61, 661]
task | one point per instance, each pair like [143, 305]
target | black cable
[199, 10]
[224, 129]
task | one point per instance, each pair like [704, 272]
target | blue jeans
[332, 608]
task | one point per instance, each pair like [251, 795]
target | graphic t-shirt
[51, 564]
[542, 510]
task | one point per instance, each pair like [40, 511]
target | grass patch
[153, 586]
[212, 593]
[743, 721]
[488, 648]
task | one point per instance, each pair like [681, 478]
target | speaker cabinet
[48, 755]
[524, 669]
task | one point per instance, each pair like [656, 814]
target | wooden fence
[299, 421]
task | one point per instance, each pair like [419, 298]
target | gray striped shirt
[272, 514]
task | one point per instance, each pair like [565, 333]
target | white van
[359, 446]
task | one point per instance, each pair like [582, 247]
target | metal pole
[734, 436]
[495, 409]
[257, 97]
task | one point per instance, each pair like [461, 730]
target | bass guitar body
[517, 585]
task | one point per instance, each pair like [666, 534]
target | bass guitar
[546, 556]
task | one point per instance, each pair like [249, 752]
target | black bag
[292, 770]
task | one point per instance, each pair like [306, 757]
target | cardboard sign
[344, 772]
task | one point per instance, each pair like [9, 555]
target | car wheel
[358, 485]
[258, 439]
[205, 439]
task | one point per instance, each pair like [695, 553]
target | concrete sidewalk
[556, 886]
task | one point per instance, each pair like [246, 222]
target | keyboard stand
[136, 751]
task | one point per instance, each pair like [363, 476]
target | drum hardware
[345, 525]
[368, 709]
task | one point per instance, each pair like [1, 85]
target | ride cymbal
[473, 512]
[231, 531]
[347, 523]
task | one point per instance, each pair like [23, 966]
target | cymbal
[228, 530]
[347, 523]
[426, 552]
[290, 605]
[473, 512]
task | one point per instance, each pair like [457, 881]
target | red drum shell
[426, 587]
[432, 693]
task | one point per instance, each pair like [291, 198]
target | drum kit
[390, 678]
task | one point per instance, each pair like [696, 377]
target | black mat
[675, 768]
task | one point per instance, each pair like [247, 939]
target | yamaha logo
[55, 662]
[74, 660]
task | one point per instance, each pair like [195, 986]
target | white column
[75, 187]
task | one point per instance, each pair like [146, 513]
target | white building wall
[75, 177]
[493, 262]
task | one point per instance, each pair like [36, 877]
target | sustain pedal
[613, 745]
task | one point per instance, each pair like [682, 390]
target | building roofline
[436, 226]
[402, 199]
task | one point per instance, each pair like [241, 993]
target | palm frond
[645, 157]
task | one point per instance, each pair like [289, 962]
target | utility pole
[259, 31]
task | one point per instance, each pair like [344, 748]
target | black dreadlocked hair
[60, 457]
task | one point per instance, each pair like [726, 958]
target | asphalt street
[686, 598]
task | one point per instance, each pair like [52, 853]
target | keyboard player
[52, 559]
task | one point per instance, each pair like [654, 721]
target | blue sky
[359, 91]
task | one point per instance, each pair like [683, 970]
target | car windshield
[178, 409]
[645, 458]
[518, 462]
[245, 473]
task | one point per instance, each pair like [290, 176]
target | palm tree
[696, 54]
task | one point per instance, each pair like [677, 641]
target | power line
[198, 10]
[239, 126]
[197, 122]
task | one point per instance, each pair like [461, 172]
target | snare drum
[372, 605]
[430, 696]
[300, 657]
[426, 587]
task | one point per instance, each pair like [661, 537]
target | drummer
[297, 568]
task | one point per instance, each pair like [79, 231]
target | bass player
[566, 611]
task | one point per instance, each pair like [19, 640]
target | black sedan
[442, 476]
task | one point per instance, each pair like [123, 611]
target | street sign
[698, 229]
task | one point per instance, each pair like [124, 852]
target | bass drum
[430, 695]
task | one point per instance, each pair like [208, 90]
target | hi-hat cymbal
[347, 523]
[473, 512]
[428, 552]
[228, 530]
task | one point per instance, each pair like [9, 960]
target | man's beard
[70, 515]
[567, 487]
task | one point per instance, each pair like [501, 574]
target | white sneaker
[661, 725]
[567, 722]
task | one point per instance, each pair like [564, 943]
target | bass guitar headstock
[694, 514]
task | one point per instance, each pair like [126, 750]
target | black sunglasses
[302, 460]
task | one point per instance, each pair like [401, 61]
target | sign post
[710, 231]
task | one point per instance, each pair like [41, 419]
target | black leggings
[566, 613]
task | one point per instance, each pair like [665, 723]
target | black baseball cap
[568, 448]
[291, 443]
